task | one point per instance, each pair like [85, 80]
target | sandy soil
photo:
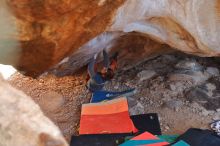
[59, 98]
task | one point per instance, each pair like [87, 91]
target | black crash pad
[198, 137]
[98, 140]
[147, 122]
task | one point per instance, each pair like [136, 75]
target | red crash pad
[145, 139]
[149, 136]
[106, 118]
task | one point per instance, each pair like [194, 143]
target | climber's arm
[91, 67]
[106, 59]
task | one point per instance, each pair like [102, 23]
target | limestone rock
[22, 123]
[47, 31]
[196, 77]
[213, 71]
[207, 95]
[174, 104]
[216, 116]
[39, 34]
[189, 70]
[189, 65]
[137, 109]
[140, 27]
[145, 74]
[186, 28]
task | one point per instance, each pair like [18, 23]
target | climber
[110, 65]
[96, 80]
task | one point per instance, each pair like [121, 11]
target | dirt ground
[59, 98]
[167, 84]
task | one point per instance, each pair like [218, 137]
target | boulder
[37, 35]
[22, 123]
[41, 33]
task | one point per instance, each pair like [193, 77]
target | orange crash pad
[106, 118]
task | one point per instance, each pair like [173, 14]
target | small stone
[116, 87]
[213, 71]
[174, 104]
[137, 109]
[176, 110]
[216, 116]
[167, 98]
[210, 86]
[146, 74]
[218, 110]
[172, 87]
[179, 84]
[204, 113]
[167, 127]
[196, 77]
[189, 65]
[142, 98]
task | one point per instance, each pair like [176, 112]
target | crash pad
[145, 136]
[158, 144]
[145, 139]
[147, 122]
[168, 138]
[104, 108]
[102, 95]
[106, 118]
[155, 142]
[199, 137]
[181, 143]
[98, 139]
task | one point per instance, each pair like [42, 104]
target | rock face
[22, 123]
[49, 31]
